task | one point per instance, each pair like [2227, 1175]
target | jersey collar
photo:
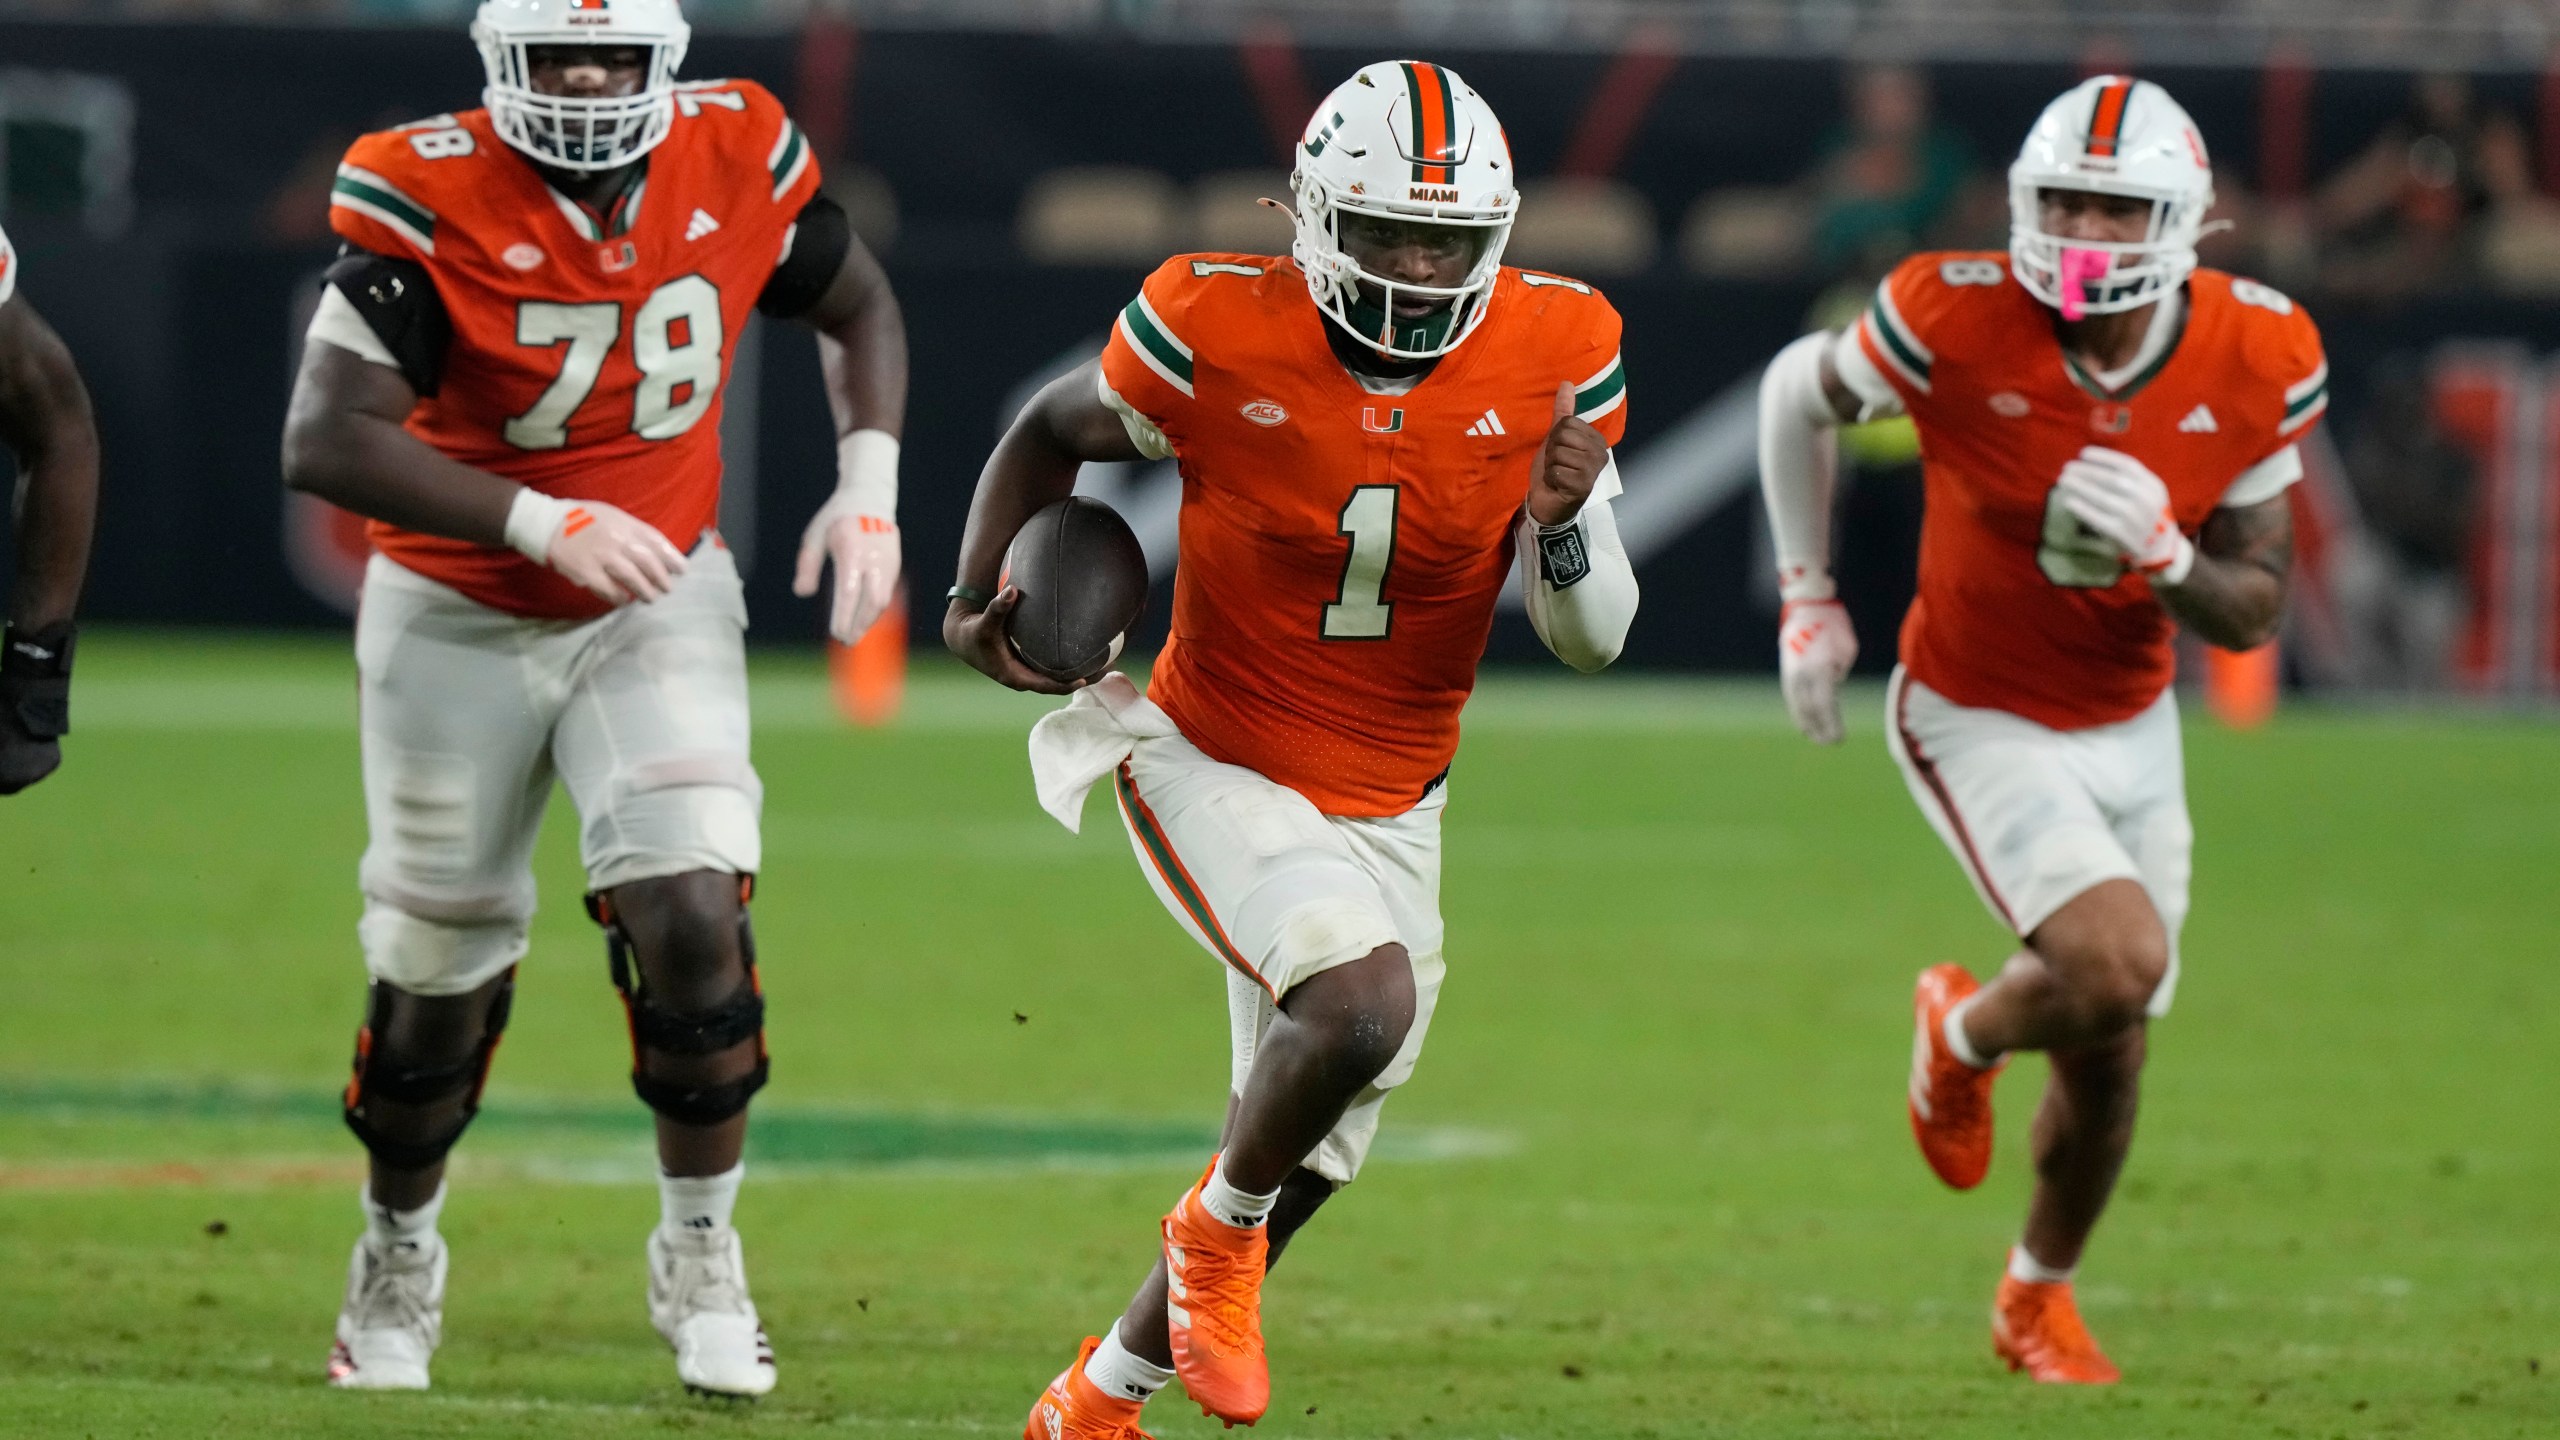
[2159, 342]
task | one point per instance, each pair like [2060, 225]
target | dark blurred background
[1729, 173]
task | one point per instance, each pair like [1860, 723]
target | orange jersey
[589, 353]
[1342, 550]
[2020, 607]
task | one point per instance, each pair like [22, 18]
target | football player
[45, 422]
[1370, 433]
[515, 372]
[2107, 433]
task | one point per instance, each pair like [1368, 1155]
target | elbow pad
[397, 301]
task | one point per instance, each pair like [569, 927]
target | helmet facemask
[2082, 277]
[578, 133]
[1364, 302]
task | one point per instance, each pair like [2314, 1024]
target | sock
[1118, 1373]
[699, 1202]
[1959, 1043]
[394, 1230]
[2028, 1270]
[1234, 1206]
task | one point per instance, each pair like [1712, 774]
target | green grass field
[1653, 1178]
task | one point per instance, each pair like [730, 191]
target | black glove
[35, 703]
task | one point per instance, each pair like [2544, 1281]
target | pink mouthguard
[2079, 267]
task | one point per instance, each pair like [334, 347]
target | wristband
[533, 522]
[35, 679]
[867, 474]
[1562, 554]
[2180, 565]
[970, 594]
[1804, 582]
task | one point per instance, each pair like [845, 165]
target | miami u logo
[1370, 422]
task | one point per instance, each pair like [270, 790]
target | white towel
[1087, 738]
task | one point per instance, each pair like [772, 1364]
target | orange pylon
[869, 676]
[2240, 685]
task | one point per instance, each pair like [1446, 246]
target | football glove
[2127, 506]
[1816, 647]
[35, 704]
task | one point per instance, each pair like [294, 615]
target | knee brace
[660, 1031]
[382, 1074]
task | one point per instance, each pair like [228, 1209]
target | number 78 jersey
[2021, 608]
[589, 352]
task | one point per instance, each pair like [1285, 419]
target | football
[1083, 578]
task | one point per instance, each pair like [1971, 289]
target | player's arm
[2228, 584]
[2234, 593]
[1575, 580]
[830, 281]
[1813, 386]
[1067, 424]
[376, 343]
[46, 422]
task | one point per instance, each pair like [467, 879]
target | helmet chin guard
[1402, 140]
[2111, 135]
[578, 132]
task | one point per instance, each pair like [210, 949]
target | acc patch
[1264, 412]
[522, 256]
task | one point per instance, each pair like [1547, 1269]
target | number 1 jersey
[1342, 550]
[589, 351]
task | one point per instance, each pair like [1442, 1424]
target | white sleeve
[1151, 442]
[1876, 394]
[337, 322]
[2265, 480]
[1576, 582]
[1798, 461]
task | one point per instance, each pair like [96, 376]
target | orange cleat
[2036, 1328]
[1950, 1100]
[1074, 1408]
[1213, 1304]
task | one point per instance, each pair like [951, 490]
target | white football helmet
[2117, 136]
[1403, 140]
[569, 132]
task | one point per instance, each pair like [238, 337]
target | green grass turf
[1674, 1038]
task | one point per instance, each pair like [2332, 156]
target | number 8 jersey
[2020, 607]
[588, 352]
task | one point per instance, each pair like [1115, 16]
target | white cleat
[393, 1317]
[698, 1300]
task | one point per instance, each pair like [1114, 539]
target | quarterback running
[2107, 433]
[46, 423]
[516, 374]
[1369, 433]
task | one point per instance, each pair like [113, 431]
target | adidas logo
[2199, 421]
[1491, 424]
[702, 224]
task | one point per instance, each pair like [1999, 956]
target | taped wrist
[1564, 553]
[414, 1140]
[867, 474]
[659, 1032]
[35, 679]
[534, 520]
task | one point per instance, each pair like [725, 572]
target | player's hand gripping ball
[1083, 578]
[1569, 464]
[1075, 580]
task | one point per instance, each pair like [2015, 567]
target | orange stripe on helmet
[2106, 121]
[1434, 124]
